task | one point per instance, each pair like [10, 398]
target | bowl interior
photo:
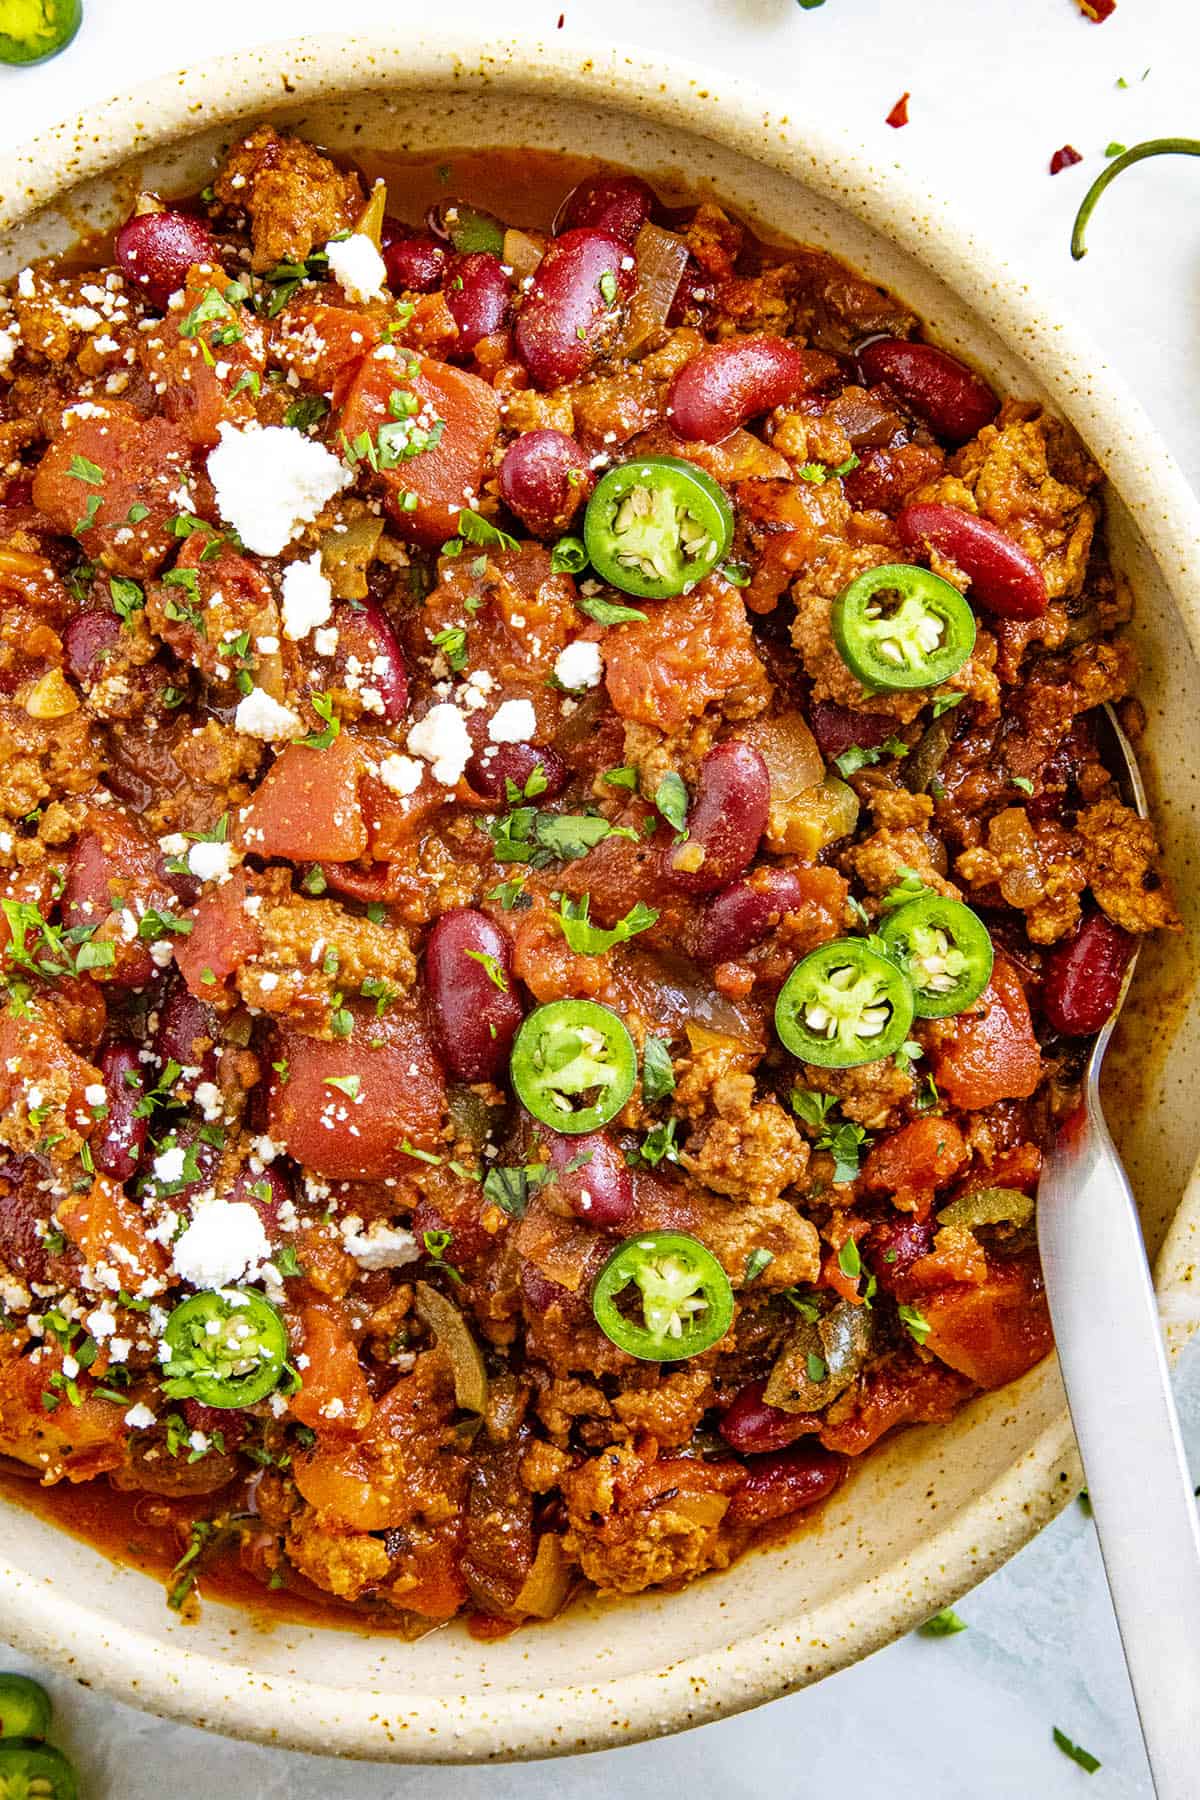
[932, 1511]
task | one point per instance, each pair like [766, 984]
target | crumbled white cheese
[139, 1417]
[357, 266]
[168, 1166]
[382, 1246]
[325, 641]
[513, 722]
[101, 1323]
[210, 1100]
[579, 664]
[259, 716]
[442, 738]
[401, 774]
[210, 862]
[270, 481]
[307, 598]
[94, 1093]
[223, 1242]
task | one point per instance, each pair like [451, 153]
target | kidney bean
[566, 318]
[837, 727]
[266, 1193]
[88, 641]
[544, 478]
[491, 768]
[1082, 978]
[753, 1428]
[365, 631]
[726, 385]
[22, 1209]
[618, 204]
[413, 259]
[600, 1190]
[156, 250]
[790, 1481]
[539, 1294]
[952, 400]
[726, 821]
[903, 1241]
[741, 915]
[182, 1022]
[477, 293]
[232, 1425]
[118, 1148]
[1003, 579]
[475, 1018]
[87, 900]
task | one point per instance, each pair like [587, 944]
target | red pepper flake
[562, 19]
[1097, 10]
[1066, 158]
[899, 113]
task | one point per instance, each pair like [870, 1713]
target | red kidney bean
[414, 260]
[565, 319]
[157, 249]
[232, 1425]
[788, 1482]
[88, 641]
[837, 727]
[182, 1021]
[726, 385]
[727, 819]
[1003, 579]
[753, 1428]
[477, 293]
[539, 1294]
[476, 1019]
[544, 478]
[952, 400]
[87, 900]
[365, 631]
[598, 1191]
[1082, 978]
[117, 1148]
[618, 204]
[741, 915]
[893, 1246]
[492, 768]
[266, 1193]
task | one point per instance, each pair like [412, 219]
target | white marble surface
[995, 89]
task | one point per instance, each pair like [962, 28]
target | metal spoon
[1110, 1351]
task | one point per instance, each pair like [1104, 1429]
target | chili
[844, 1004]
[24, 1708]
[683, 1302]
[567, 1050]
[225, 1347]
[655, 527]
[901, 627]
[943, 948]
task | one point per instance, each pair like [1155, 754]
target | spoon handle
[1110, 1350]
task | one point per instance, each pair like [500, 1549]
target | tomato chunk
[995, 1331]
[333, 1398]
[306, 807]
[322, 343]
[98, 472]
[212, 365]
[914, 1162]
[447, 476]
[991, 1053]
[222, 938]
[389, 1091]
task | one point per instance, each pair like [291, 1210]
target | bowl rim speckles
[91, 1627]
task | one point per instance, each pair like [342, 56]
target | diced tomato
[391, 1091]
[393, 820]
[115, 862]
[996, 1331]
[73, 1443]
[222, 938]
[430, 1584]
[34, 1054]
[991, 1053]
[900, 1391]
[110, 1233]
[333, 1398]
[141, 463]
[306, 808]
[210, 376]
[446, 477]
[320, 343]
[912, 1163]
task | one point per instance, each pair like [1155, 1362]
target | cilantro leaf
[586, 939]
[671, 799]
[658, 1071]
[943, 1624]
[608, 612]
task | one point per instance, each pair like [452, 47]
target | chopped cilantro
[586, 939]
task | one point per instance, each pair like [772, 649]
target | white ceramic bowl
[938, 1508]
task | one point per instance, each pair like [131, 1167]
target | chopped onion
[661, 260]
[522, 253]
[369, 223]
[545, 1588]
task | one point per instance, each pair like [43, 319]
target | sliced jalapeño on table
[655, 527]
[33, 1771]
[24, 1708]
[226, 1347]
[900, 627]
[844, 1004]
[573, 1065]
[943, 948]
[663, 1296]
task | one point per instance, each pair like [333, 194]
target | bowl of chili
[937, 1505]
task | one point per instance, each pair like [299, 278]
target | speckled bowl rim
[304, 1714]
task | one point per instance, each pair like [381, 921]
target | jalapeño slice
[573, 1065]
[845, 1003]
[901, 627]
[32, 30]
[226, 1347]
[24, 1708]
[943, 948]
[32, 1771]
[655, 527]
[682, 1302]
